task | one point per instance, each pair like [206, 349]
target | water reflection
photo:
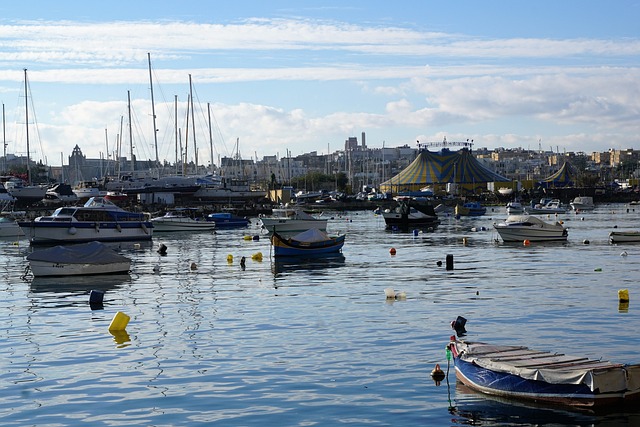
[477, 409]
[287, 264]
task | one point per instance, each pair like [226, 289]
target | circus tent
[433, 168]
[565, 177]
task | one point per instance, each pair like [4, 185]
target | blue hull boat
[311, 243]
[541, 376]
[227, 220]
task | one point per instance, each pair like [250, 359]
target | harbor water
[209, 342]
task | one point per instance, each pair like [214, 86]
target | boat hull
[520, 234]
[51, 232]
[624, 237]
[43, 268]
[283, 247]
[523, 374]
[162, 225]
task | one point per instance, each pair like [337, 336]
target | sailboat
[18, 188]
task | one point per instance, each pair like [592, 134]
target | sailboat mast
[4, 142]
[153, 111]
[186, 140]
[26, 120]
[133, 162]
[210, 136]
[193, 123]
[175, 125]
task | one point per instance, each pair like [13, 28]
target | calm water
[313, 344]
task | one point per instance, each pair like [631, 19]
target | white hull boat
[77, 260]
[181, 220]
[288, 221]
[514, 208]
[624, 237]
[551, 207]
[582, 203]
[97, 220]
[518, 228]
[9, 227]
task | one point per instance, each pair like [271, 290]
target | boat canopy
[312, 235]
[86, 253]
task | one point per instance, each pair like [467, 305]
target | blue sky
[305, 76]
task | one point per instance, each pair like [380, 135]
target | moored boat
[181, 219]
[518, 372]
[9, 226]
[630, 236]
[310, 243]
[289, 221]
[227, 220]
[98, 219]
[582, 203]
[553, 206]
[410, 213]
[518, 228]
[470, 209]
[77, 260]
[514, 208]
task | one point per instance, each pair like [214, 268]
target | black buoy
[449, 262]
[96, 299]
[162, 249]
[242, 263]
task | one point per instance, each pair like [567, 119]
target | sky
[291, 77]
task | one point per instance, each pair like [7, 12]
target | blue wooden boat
[227, 220]
[310, 243]
[521, 373]
[470, 209]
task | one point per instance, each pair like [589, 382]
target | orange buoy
[526, 242]
[392, 251]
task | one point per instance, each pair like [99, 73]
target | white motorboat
[24, 192]
[181, 220]
[582, 203]
[553, 206]
[631, 236]
[289, 221]
[77, 260]
[518, 228]
[98, 219]
[514, 208]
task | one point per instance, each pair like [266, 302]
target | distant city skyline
[301, 77]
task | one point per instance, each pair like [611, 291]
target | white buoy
[390, 293]
[624, 253]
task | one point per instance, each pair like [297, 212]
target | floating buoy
[119, 322]
[449, 261]
[229, 258]
[526, 242]
[437, 374]
[136, 245]
[247, 238]
[586, 241]
[242, 263]
[464, 241]
[623, 295]
[194, 266]
[597, 269]
[96, 297]
[257, 256]
[162, 249]
[439, 263]
[392, 251]
[256, 238]
[415, 233]
[624, 253]
[156, 268]
[390, 293]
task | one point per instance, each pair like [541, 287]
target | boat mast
[153, 112]
[193, 124]
[186, 139]
[210, 136]
[4, 140]
[26, 120]
[133, 163]
[175, 114]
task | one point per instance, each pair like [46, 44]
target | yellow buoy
[229, 258]
[247, 238]
[257, 256]
[119, 322]
[623, 295]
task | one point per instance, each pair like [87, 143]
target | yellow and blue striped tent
[565, 177]
[436, 169]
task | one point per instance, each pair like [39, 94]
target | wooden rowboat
[542, 376]
[310, 243]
